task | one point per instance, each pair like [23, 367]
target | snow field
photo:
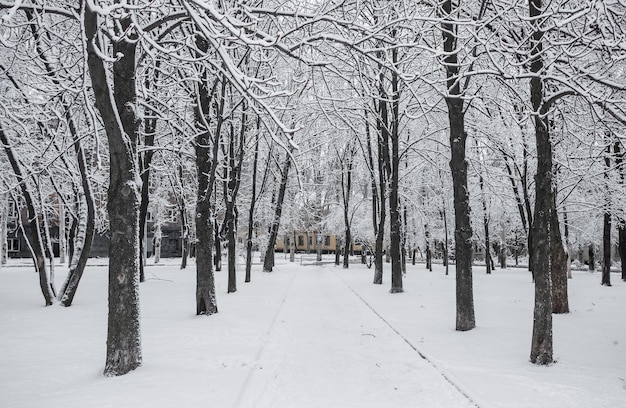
[313, 336]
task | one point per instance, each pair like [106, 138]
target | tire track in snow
[421, 353]
[257, 358]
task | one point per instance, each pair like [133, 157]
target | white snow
[313, 336]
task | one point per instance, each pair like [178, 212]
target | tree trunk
[268, 262]
[394, 200]
[35, 240]
[621, 231]
[157, 243]
[4, 215]
[485, 224]
[184, 235]
[541, 348]
[558, 264]
[292, 246]
[621, 223]
[378, 263]
[429, 254]
[231, 186]
[606, 250]
[592, 258]
[249, 243]
[445, 227]
[62, 234]
[217, 260]
[123, 337]
[150, 125]
[606, 234]
[458, 165]
[346, 191]
[568, 244]
[207, 150]
[82, 247]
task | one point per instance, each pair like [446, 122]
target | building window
[13, 244]
[172, 215]
[300, 240]
[327, 240]
[13, 213]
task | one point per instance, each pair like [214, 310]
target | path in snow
[327, 348]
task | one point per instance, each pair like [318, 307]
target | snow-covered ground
[313, 336]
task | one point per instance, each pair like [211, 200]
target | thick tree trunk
[123, 337]
[207, 149]
[206, 303]
[465, 319]
[206, 164]
[541, 348]
[458, 165]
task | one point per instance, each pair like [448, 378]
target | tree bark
[231, 186]
[252, 206]
[35, 239]
[541, 348]
[621, 225]
[4, 213]
[346, 191]
[207, 149]
[485, 224]
[558, 263]
[606, 234]
[80, 252]
[118, 115]
[621, 231]
[150, 126]
[384, 172]
[394, 200]
[465, 319]
[268, 261]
